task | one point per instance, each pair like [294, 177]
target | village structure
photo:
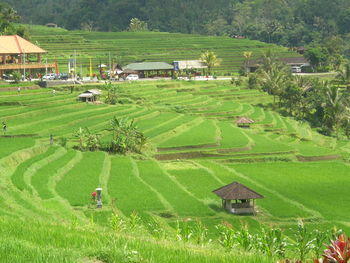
[244, 122]
[16, 53]
[301, 62]
[90, 95]
[238, 198]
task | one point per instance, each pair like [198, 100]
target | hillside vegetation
[194, 147]
[289, 23]
[127, 47]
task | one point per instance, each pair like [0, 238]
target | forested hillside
[286, 22]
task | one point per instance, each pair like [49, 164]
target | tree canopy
[285, 22]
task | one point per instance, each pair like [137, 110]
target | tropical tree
[111, 97]
[87, 140]
[137, 25]
[247, 56]
[272, 81]
[335, 109]
[344, 75]
[92, 140]
[346, 123]
[210, 59]
[81, 135]
[7, 16]
[268, 60]
[125, 136]
[292, 96]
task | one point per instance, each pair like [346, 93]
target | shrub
[338, 251]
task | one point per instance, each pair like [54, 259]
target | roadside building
[300, 62]
[51, 25]
[150, 69]
[237, 198]
[18, 54]
[189, 65]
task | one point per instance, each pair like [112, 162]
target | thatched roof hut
[241, 195]
[244, 122]
[90, 95]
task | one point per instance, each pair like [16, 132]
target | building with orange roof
[16, 53]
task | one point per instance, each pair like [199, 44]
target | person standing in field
[19, 91]
[4, 127]
[53, 92]
[93, 196]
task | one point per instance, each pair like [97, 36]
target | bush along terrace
[125, 138]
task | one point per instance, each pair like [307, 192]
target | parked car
[7, 77]
[132, 77]
[50, 76]
[62, 76]
[296, 69]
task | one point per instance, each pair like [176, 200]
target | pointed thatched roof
[16, 45]
[236, 191]
[244, 120]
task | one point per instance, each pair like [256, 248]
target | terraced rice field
[194, 147]
[127, 47]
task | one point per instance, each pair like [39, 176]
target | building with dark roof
[253, 65]
[237, 198]
[150, 69]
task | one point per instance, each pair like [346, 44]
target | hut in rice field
[244, 122]
[237, 198]
[90, 95]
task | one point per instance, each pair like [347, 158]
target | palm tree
[344, 75]
[247, 55]
[81, 134]
[334, 108]
[210, 59]
[272, 81]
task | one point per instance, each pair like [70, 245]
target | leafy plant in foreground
[303, 242]
[244, 238]
[134, 220]
[117, 223]
[155, 229]
[272, 242]
[227, 236]
[319, 238]
[338, 251]
[185, 233]
[201, 233]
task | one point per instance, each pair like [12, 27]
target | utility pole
[75, 65]
[46, 66]
[109, 64]
[24, 65]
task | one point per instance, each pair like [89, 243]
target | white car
[296, 69]
[132, 77]
[50, 76]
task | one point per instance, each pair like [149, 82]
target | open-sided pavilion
[16, 53]
[237, 198]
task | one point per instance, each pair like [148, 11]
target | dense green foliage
[7, 18]
[290, 23]
[324, 104]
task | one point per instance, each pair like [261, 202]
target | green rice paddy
[194, 147]
[127, 47]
